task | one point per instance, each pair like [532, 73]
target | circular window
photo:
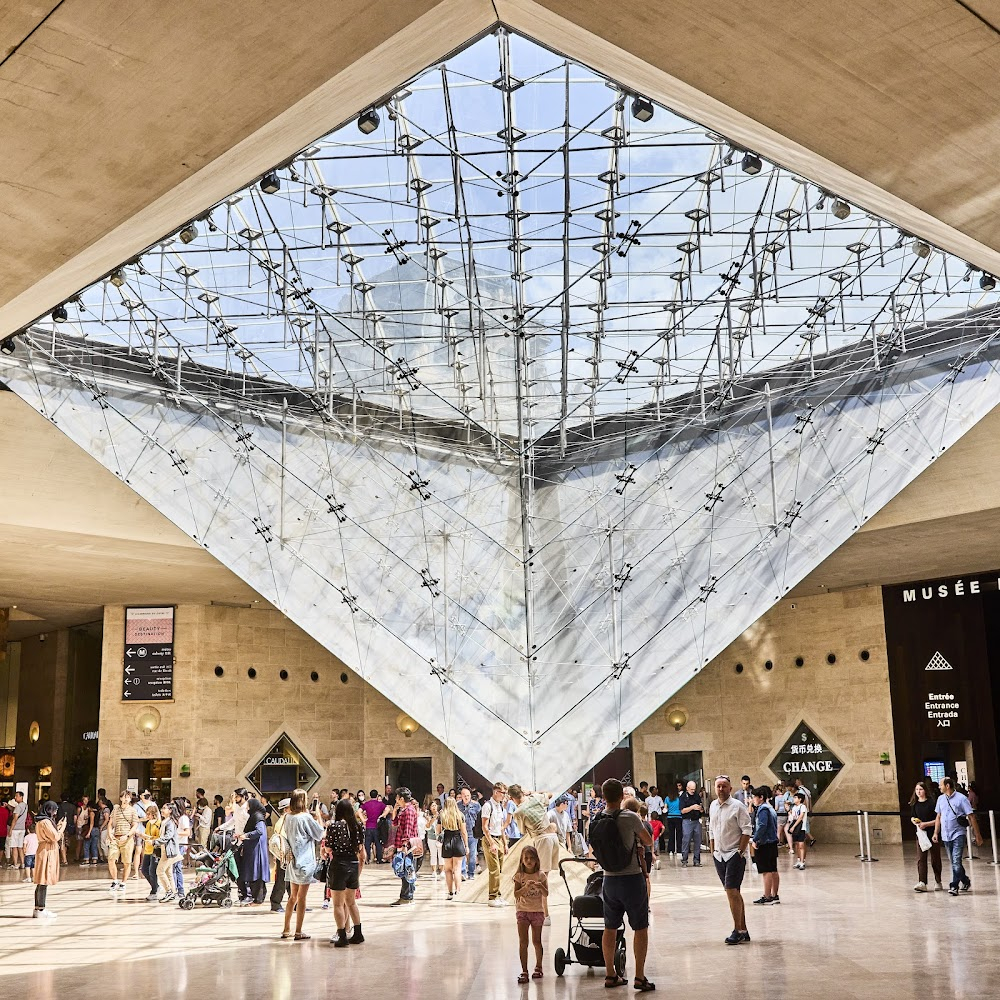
[768, 665]
[251, 673]
[799, 662]
[343, 678]
[865, 655]
[219, 671]
[283, 674]
[831, 658]
[739, 668]
[314, 676]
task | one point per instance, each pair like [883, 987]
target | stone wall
[740, 720]
[220, 726]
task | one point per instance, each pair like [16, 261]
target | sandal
[522, 979]
[643, 985]
[285, 935]
[537, 974]
[610, 982]
[302, 937]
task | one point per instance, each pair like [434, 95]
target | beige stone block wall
[220, 726]
[739, 721]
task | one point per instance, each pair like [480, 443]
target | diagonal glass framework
[523, 395]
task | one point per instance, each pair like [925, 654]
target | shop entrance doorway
[410, 772]
[682, 766]
[154, 774]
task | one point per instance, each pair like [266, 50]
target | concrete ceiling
[120, 123]
[73, 537]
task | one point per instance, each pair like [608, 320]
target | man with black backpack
[618, 840]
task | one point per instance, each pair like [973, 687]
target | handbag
[416, 847]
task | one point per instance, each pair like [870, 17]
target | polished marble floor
[844, 930]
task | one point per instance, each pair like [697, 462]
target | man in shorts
[765, 845]
[625, 892]
[123, 825]
[15, 836]
[729, 834]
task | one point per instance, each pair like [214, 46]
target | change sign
[149, 654]
[805, 757]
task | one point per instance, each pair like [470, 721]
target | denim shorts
[625, 895]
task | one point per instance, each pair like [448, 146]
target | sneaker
[736, 938]
[774, 901]
[684, 864]
[952, 890]
[44, 914]
[400, 902]
[966, 885]
[152, 898]
[938, 887]
[113, 887]
[276, 908]
[657, 864]
[697, 864]
[920, 887]
[762, 901]
[495, 902]
[326, 904]
[28, 879]
[168, 898]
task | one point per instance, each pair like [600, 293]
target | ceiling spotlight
[8, 347]
[840, 208]
[920, 248]
[368, 121]
[59, 314]
[270, 183]
[987, 282]
[642, 109]
[189, 233]
[117, 278]
[751, 163]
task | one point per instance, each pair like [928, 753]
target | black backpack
[477, 826]
[607, 844]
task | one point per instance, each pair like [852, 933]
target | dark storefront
[943, 640]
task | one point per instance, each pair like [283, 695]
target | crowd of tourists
[300, 841]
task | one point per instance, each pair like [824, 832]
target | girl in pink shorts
[531, 887]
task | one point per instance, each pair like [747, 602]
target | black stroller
[586, 925]
[216, 875]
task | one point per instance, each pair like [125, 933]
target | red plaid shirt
[406, 825]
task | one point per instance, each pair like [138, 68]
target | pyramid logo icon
[938, 662]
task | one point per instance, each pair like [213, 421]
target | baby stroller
[216, 875]
[586, 925]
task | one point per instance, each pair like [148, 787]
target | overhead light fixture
[921, 248]
[642, 109]
[270, 183]
[840, 208]
[987, 283]
[117, 278]
[368, 121]
[59, 314]
[189, 233]
[751, 163]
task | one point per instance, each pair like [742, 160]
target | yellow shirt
[152, 830]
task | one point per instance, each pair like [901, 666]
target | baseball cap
[284, 803]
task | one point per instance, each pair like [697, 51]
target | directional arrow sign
[149, 639]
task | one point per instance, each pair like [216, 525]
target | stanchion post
[993, 836]
[861, 839]
[868, 840]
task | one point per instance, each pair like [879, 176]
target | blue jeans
[956, 849]
[92, 846]
[692, 832]
[149, 870]
[469, 861]
[179, 876]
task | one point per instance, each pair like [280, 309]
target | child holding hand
[531, 887]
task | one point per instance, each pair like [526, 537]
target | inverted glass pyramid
[523, 403]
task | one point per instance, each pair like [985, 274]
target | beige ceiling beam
[120, 124]
[890, 105]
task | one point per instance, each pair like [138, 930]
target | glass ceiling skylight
[526, 398]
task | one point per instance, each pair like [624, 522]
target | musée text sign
[148, 669]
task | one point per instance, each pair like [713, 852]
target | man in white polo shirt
[494, 819]
[729, 831]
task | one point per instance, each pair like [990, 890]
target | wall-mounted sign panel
[148, 668]
[806, 757]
